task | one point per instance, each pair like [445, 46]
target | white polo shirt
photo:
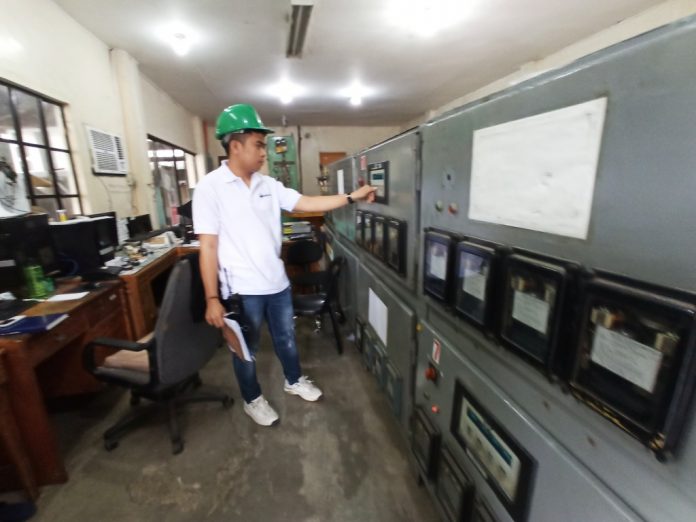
[247, 223]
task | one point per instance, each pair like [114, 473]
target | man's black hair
[241, 137]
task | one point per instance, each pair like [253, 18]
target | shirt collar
[231, 177]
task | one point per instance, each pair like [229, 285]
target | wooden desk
[315, 218]
[142, 306]
[98, 314]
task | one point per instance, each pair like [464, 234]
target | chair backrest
[334, 273]
[303, 252]
[182, 346]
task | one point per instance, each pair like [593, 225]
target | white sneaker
[260, 411]
[304, 388]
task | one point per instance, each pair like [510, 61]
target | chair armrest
[110, 342]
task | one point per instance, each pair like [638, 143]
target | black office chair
[303, 254]
[320, 303]
[163, 369]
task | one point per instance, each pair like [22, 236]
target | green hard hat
[238, 118]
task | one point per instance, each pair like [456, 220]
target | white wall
[42, 48]
[165, 118]
[316, 139]
[652, 18]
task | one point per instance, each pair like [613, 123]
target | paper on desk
[67, 297]
[234, 326]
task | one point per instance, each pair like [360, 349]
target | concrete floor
[341, 459]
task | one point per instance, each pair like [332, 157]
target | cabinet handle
[112, 297]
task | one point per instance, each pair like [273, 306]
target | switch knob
[431, 374]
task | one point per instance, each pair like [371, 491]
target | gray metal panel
[659, 492]
[563, 488]
[402, 153]
[401, 325]
[348, 282]
[641, 226]
[643, 211]
[343, 219]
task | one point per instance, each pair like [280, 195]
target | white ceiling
[241, 51]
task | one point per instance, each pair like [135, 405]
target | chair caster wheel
[227, 402]
[110, 445]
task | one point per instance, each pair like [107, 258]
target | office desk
[142, 305]
[98, 314]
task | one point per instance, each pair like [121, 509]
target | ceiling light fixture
[299, 22]
[355, 93]
[286, 91]
[429, 17]
[179, 37]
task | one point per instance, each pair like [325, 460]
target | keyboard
[11, 307]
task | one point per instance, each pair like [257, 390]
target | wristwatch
[350, 199]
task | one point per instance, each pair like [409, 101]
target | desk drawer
[42, 346]
[103, 306]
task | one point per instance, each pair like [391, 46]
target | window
[174, 174]
[34, 142]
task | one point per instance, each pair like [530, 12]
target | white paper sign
[475, 284]
[378, 315]
[629, 359]
[438, 262]
[339, 181]
[531, 311]
[539, 172]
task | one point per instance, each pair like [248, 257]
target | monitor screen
[25, 240]
[139, 225]
[107, 236]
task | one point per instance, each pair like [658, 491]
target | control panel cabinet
[635, 362]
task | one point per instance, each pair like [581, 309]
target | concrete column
[127, 77]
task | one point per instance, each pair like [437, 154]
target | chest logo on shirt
[264, 195]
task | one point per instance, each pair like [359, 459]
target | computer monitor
[84, 245]
[25, 240]
[107, 233]
[138, 225]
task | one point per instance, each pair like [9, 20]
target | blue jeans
[278, 311]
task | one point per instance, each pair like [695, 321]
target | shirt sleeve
[205, 210]
[287, 197]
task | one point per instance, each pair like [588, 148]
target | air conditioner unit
[108, 155]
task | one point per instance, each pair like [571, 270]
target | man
[236, 213]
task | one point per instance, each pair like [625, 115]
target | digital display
[378, 177]
[633, 348]
[436, 266]
[505, 465]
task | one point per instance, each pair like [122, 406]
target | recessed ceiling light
[179, 37]
[428, 17]
[286, 91]
[355, 93]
